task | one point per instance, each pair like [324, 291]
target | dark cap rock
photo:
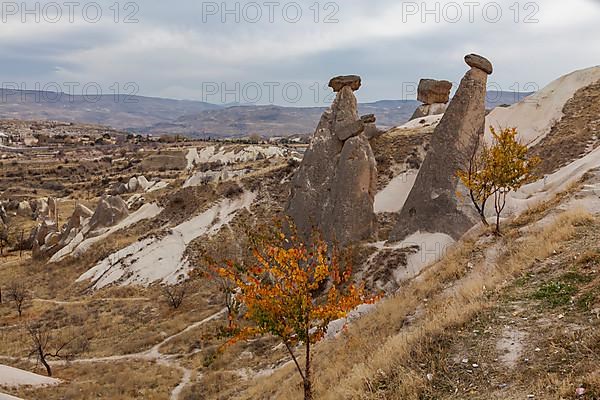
[432, 91]
[477, 61]
[339, 82]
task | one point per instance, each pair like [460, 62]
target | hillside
[101, 239]
[117, 111]
[158, 116]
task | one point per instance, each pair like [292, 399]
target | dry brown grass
[375, 358]
[115, 381]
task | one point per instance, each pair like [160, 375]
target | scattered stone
[337, 83]
[119, 189]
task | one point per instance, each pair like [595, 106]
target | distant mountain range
[158, 116]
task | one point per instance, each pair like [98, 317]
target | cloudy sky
[285, 52]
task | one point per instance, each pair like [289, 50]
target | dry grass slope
[385, 354]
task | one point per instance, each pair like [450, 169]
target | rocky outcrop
[24, 209]
[110, 211]
[52, 208]
[433, 204]
[134, 184]
[3, 215]
[47, 240]
[334, 188]
[434, 95]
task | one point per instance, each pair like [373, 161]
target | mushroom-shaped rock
[477, 61]
[339, 82]
[334, 187]
[433, 204]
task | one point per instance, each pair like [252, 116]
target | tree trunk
[498, 224]
[44, 362]
[308, 395]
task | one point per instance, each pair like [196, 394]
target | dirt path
[153, 354]
[115, 299]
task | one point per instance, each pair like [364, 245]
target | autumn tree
[496, 170]
[293, 291]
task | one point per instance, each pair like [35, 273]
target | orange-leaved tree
[293, 291]
[496, 170]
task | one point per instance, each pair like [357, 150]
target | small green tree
[497, 170]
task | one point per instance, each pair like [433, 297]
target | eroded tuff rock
[47, 240]
[334, 188]
[433, 204]
[24, 209]
[3, 215]
[110, 211]
[434, 95]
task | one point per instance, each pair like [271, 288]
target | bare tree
[175, 295]
[46, 344]
[18, 294]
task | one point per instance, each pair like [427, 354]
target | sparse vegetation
[46, 344]
[174, 295]
[497, 170]
[555, 293]
[18, 294]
